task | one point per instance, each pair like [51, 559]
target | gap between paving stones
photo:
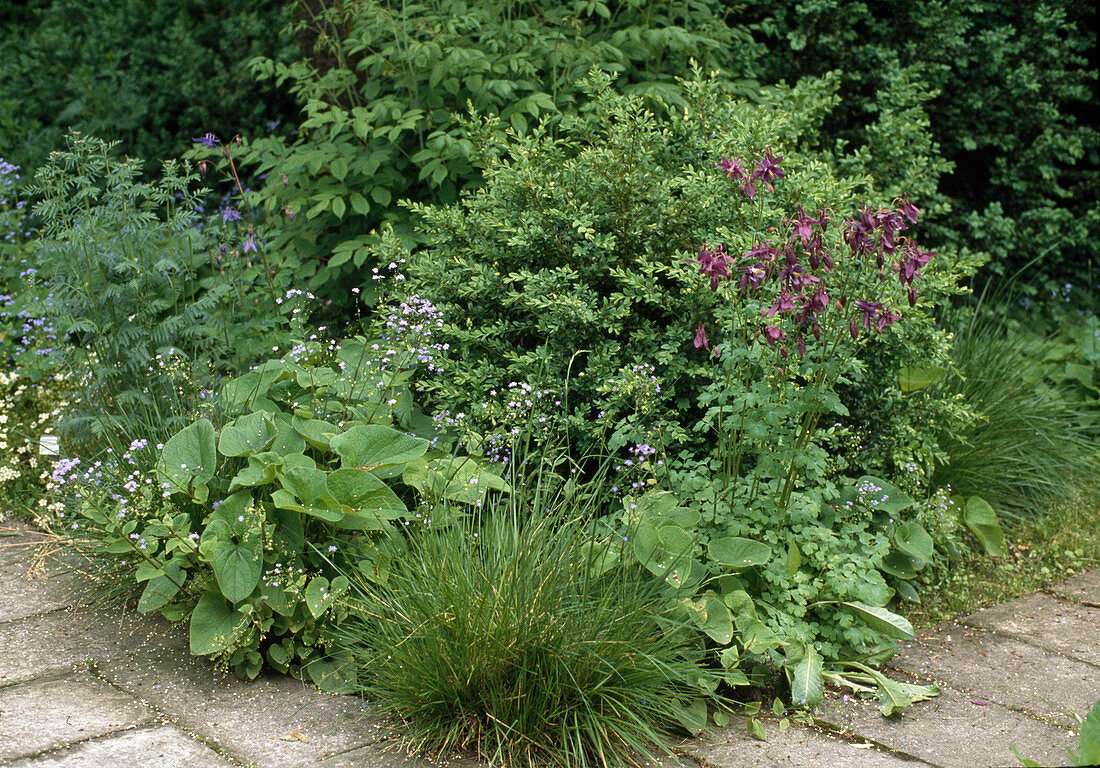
[105, 751]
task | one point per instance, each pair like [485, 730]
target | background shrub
[1004, 88]
[148, 74]
[381, 82]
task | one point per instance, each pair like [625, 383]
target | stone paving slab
[163, 746]
[1064, 627]
[1003, 670]
[66, 639]
[275, 721]
[46, 714]
[28, 589]
[797, 746]
[1084, 588]
[951, 730]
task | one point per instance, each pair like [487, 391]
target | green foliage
[1021, 183]
[150, 74]
[247, 521]
[381, 83]
[573, 278]
[115, 275]
[514, 634]
[1033, 441]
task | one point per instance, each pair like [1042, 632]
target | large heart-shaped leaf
[880, 495]
[911, 539]
[900, 565]
[305, 489]
[242, 392]
[214, 624]
[736, 552]
[316, 432]
[163, 588]
[886, 622]
[713, 617]
[247, 435]
[260, 471]
[661, 507]
[982, 521]
[188, 460]
[374, 446]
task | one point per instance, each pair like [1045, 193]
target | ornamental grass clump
[1032, 442]
[509, 635]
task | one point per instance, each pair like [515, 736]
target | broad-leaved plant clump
[243, 522]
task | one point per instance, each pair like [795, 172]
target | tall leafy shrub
[1004, 89]
[148, 74]
[380, 84]
[684, 296]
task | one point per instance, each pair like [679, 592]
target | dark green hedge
[151, 73]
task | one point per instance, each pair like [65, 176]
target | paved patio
[81, 687]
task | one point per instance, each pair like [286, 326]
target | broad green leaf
[736, 552]
[880, 495]
[287, 442]
[320, 594]
[373, 446]
[247, 435]
[163, 588]
[755, 636]
[260, 471]
[982, 521]
[214, 625]
[807, 683]
[911, 539]
[188, 460]
[661, 507]
[906, 591]
[692, 716]
[794, 559]
[461, 478]
[912, 378]
[755, 729]
[242, 392]
[900, 565]
[887, 622]
[1088, 747]
[316, 432]
[713, 617]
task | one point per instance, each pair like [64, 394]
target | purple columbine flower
[249, 245]
[785, 303]
[207, 140]
[804, 226]
[701, 337]
[911, 261]
[714, 264]
[731, 166]
[773, 335]
[767, 167]
[875, 311]
[908, 210]
[230, 214]
[752, 274]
